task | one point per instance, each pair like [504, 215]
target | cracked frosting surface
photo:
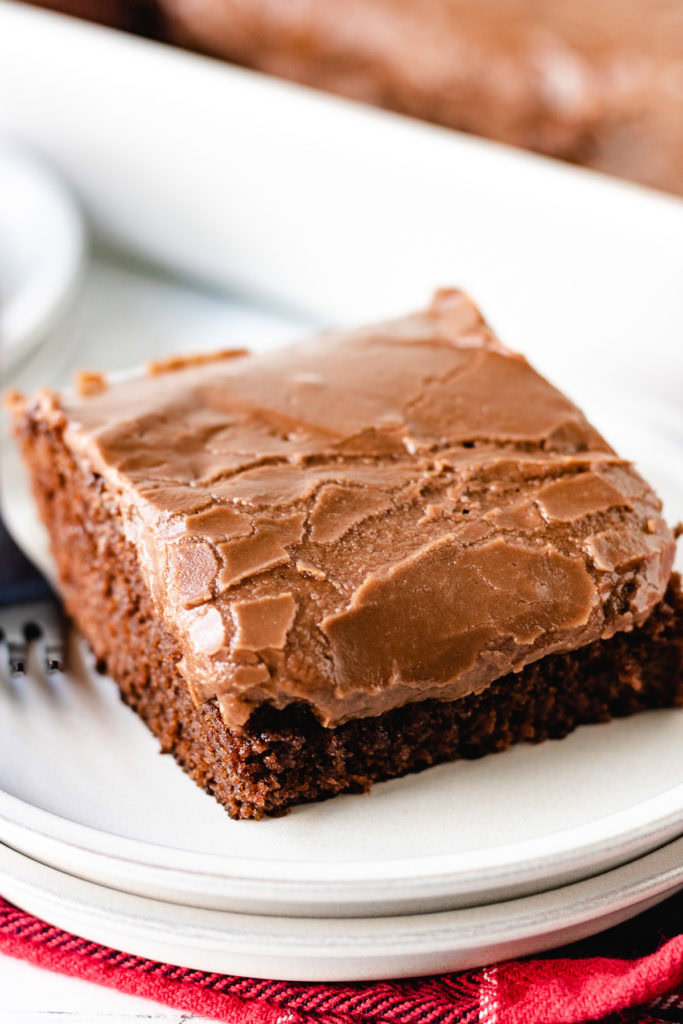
[369, 518]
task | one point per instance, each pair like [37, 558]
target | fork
[29, 609]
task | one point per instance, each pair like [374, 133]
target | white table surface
[31, 995]
[124, 315]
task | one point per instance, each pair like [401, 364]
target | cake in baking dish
[599, 84]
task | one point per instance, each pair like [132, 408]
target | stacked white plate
[459, 865]
[348, 213]
[42, 252]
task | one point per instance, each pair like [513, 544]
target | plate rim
[438, 870]
[70, 262]
[542, 916]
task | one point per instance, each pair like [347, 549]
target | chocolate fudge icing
[600, 83]
[372, 517]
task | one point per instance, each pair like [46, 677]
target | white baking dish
[342, 210]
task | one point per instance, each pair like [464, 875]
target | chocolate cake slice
[354, 557]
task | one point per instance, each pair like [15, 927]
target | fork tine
[17, 658]
[29, 610]
[48, 618]
[15, 640]
[39, 621]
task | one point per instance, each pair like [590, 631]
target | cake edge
[281, 758]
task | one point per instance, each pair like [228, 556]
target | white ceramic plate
[72, 759]
[333, 949]
[42, 246]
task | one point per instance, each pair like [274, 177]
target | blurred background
[224, 203]
[596, 82]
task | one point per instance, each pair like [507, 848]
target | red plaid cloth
[632, 974]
